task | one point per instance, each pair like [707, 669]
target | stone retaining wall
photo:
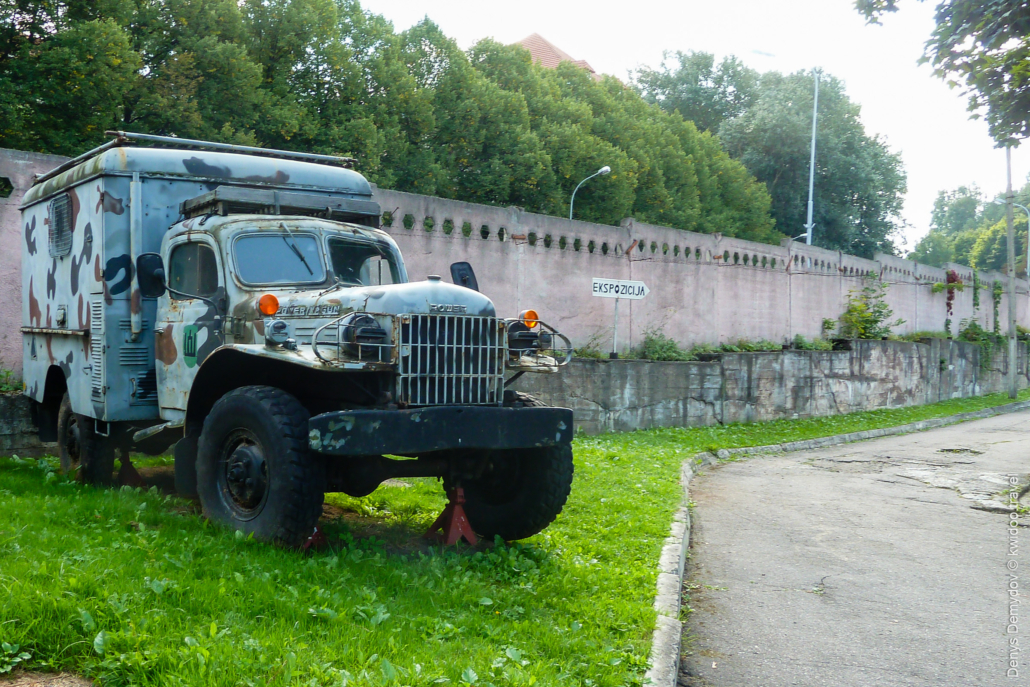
[18, 434]
[625, 395]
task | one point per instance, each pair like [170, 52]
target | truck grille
[451, 360]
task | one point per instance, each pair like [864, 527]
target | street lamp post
[604, 170]
[811, 164]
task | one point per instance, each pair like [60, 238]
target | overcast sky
[916, 112]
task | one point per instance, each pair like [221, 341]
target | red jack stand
[315, 542]
[452, 524]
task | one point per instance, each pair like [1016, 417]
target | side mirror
[463, 275]
[150, 274]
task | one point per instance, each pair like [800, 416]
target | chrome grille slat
[450, 360]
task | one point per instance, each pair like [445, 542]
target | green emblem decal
[189, 345]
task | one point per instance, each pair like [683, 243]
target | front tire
[254, 471]
[520, 493]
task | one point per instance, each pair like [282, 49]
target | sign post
[618, 289]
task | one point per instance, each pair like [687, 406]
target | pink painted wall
[19, 167]
[693, 299]
[706, 299]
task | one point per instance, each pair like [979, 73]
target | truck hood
[431, 296]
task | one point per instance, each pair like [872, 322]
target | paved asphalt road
[875, 563]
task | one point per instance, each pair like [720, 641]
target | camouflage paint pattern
[95, 283]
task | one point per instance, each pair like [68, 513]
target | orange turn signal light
[529, 318]
[268, 304]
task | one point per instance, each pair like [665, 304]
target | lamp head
[999, 201]
[604, 170]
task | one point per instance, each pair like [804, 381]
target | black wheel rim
[243, 474]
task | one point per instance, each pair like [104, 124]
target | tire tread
[306, 481]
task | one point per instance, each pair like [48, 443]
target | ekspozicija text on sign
[619, 288]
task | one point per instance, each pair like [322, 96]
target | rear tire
[254, 471]
[83, 453]
[68, 442]
[521, 492]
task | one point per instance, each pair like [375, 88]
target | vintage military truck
[242, 305]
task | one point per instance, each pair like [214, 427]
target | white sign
[619, 288]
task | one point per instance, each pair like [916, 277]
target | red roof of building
[549, 55]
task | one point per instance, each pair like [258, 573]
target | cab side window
[192, 269]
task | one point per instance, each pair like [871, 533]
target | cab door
[190, 322]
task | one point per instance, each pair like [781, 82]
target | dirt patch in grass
[44, 680]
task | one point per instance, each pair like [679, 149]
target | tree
[421, 115]
[967, 230]
[64, 70]
[985, 47]
[934, 249]
[990, 252]
[664, 170]
[698, 89]
[956, 211]
[859, 181]
[953, 223]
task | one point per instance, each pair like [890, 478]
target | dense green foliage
[968, 228]
[985, 47]
[700, 90]
[765, 121]
[132, 588]
[420, 114]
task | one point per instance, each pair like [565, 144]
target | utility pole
[811, 164]
[1012, 384]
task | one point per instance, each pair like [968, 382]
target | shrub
[745, 346]
[803, 344]
[9, 382]
[988, 342]
[657, 346]
[916, 336]
[868, 316]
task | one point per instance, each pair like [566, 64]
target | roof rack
[123, 137]
[231, 200]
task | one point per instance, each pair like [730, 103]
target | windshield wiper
[292, 243]
[337, 283]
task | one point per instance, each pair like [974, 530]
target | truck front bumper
[423, 430]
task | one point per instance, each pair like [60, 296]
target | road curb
[664, 662]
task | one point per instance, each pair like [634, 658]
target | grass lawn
[132, 587]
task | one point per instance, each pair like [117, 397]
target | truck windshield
[360, 263]
[280, 258]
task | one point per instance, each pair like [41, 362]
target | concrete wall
[704, 287]
[625, 395]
